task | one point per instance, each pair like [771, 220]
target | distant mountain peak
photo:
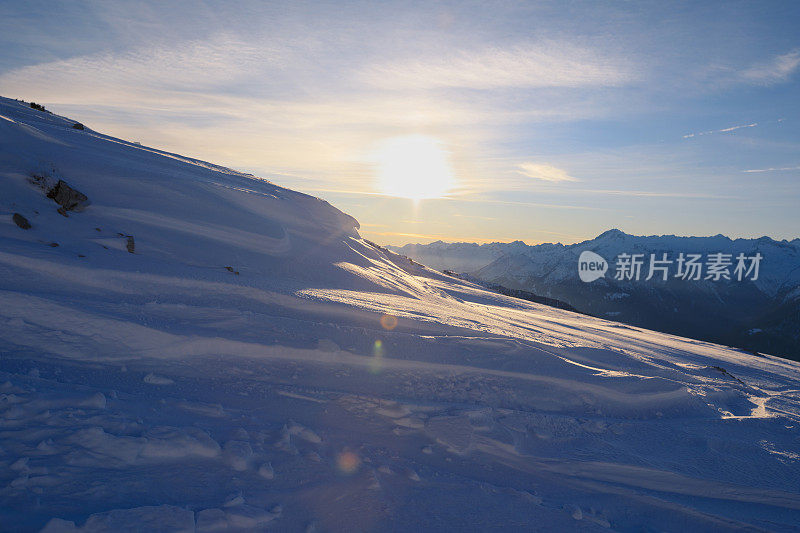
[612, 233]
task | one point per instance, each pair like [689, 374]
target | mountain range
[759, 312]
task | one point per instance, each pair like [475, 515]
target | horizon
[461, 123]
[600, 235]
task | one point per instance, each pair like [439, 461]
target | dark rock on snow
[21, 221]
[67, 197]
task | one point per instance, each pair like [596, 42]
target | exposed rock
[67, 197]
[230, 269]
[130, 245]
[78, 126]
[21, 221]
[43, 181]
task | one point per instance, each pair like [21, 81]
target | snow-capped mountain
[184, 347]
[760, 313]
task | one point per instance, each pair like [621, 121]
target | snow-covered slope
[321, 383]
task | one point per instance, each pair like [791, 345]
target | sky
[456, 121]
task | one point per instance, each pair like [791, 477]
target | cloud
[276, 108]
[724, 130]
[547, 64]
[778, 69]
[772, 169]
[652, 194]
[249, 104]
[544, 172]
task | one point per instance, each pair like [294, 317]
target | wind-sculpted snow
[321, 383]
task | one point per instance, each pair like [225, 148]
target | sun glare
[415, 167]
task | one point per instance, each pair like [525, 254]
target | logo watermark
[691, 267]
[591, 266]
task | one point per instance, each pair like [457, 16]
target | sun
[413, 166]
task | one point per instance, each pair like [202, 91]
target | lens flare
[377, 355]
[347, 462]
[388, 322]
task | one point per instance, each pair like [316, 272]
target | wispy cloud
[772, 169]
[654, 194]
[723, 130]
[776, 70]
[140, 75]
[484, 200]
[544, 172]
[546, 64]
[272, 109]
[256, 110]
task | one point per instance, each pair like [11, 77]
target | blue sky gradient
[560, 119]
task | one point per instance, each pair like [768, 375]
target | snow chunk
[154, 379]
[304, 433]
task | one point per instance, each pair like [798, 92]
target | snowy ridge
[255, 364]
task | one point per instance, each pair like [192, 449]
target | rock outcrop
[67, 197]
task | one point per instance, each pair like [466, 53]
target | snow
[159, 390]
